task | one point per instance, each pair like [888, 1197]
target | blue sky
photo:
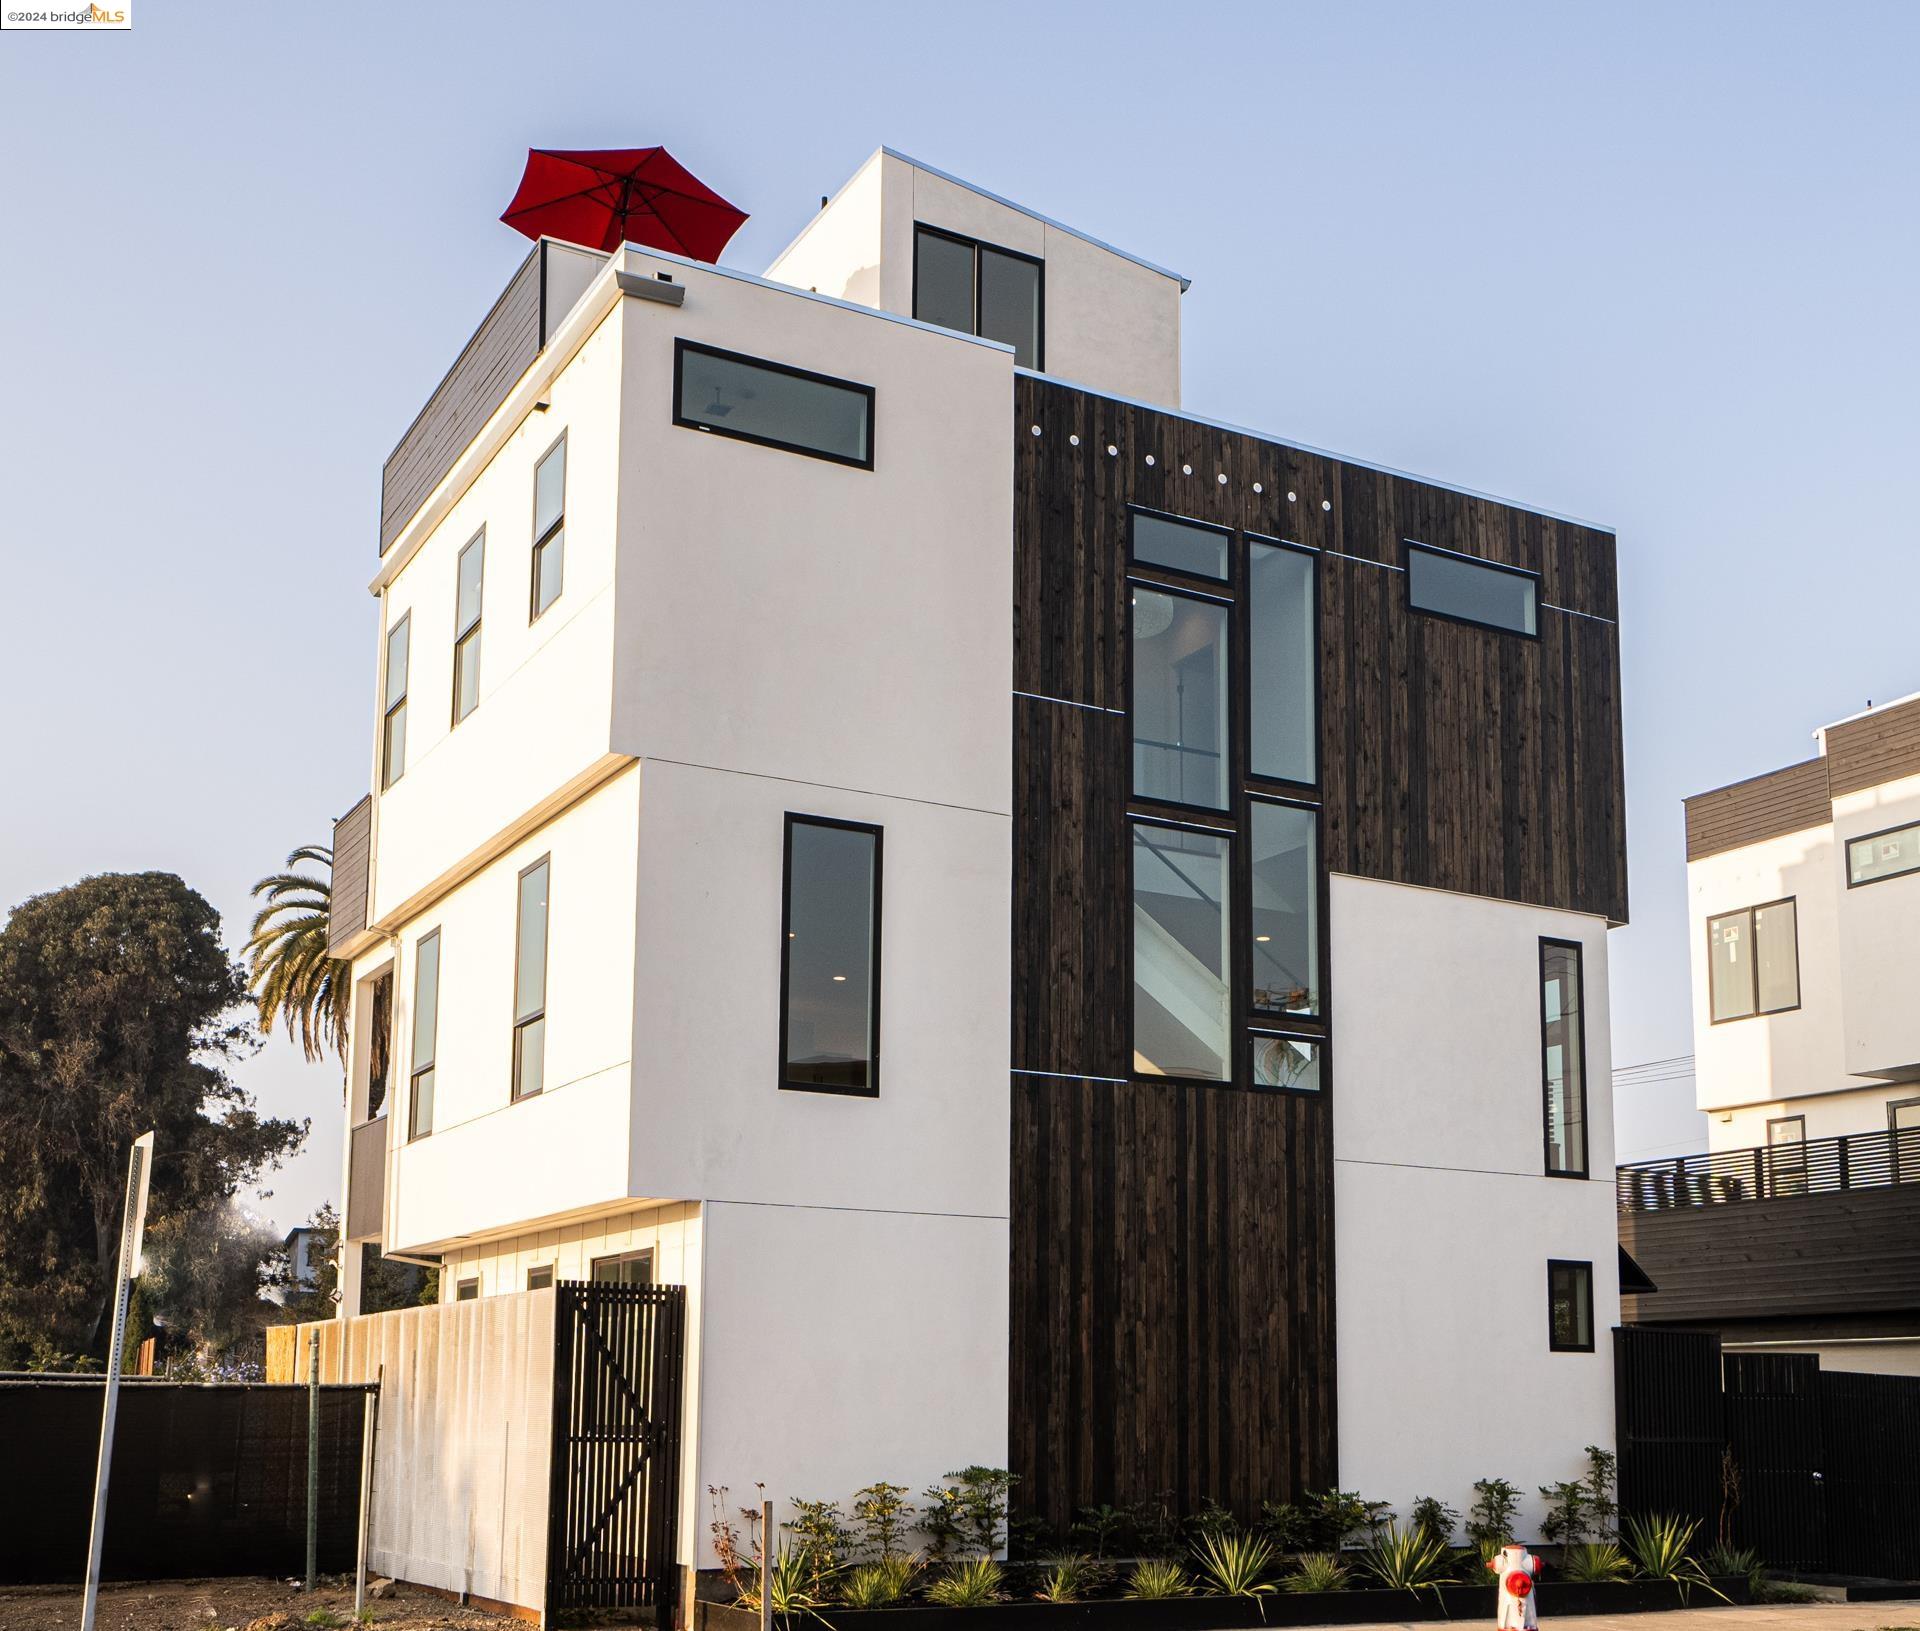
[1651, 265]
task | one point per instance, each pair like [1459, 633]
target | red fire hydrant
[1516, 1569]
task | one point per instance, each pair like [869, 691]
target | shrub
[1100, 1527]
[1593, 1561]
[880, 1584]
[967, 1515]
[1155, 1529]
[1662, 1548]
[1317, 1571]
[1741, 1560]
[1490, 1519]
[1209, 1518]
[1157, 1577]
[882, 1515]
[822, 1543]
[1583, 1509]
[1407, 1559]
[1436, 1518]
[970, 1584]
[1235, 1563]
[1337, 1517]
[1068, 1578]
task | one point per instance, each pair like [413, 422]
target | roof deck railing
[1819, 1166]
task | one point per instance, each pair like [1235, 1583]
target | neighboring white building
[1804, 913]
[755, 894]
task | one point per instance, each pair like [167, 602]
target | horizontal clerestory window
[1881, 855]
[753, 400]
[1443, 583]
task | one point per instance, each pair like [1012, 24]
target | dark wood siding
[352, 850]
[1882, 747]
[1762, 807]
[1172, 1274]
[1172, 1326]
[1856, 1252]
[522, 320]
[366, 1179]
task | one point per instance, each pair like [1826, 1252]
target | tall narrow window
[379, 1043]
[1903, 1129]
[830, 957]
[530, 983]
[1563, 1046]
[1468, 590]
[466, 627]
[1286, 909]
[1753, 961]
[1182, 961]
[426, 1019]
[1569, 1307]
[549, 526]
[1180, 677]
[393, 730]
[976, 288]
[1283, 664]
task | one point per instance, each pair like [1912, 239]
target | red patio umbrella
[604, 197]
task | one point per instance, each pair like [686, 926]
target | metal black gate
[1669, 1424]
[1776, 1433]
[1873, 1490]
[613, 1516]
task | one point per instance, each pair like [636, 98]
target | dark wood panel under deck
[1172, 1316]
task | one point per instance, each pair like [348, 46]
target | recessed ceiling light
[1263, 938]
[840, 979]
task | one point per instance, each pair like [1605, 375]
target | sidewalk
[1902, 1616]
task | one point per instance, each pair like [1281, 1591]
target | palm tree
[292, 975]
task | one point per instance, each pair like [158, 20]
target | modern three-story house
[1014, 894]
[1799, 1229]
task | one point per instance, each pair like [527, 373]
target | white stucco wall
[545, 685]
[1110, 322]
[842, 1346]
[1443, 1220]
[1879, 939]
[491, 1163]
[1769, 1056]
[1861, 1109]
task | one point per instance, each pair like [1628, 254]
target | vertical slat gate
[1669, 1423]
[1776, 1433]
[614, 1508]
[1871, 1425]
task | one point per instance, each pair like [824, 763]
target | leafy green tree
[118, 1013]
[290, 971]
[206, 1270]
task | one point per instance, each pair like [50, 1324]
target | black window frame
[1582, 1272]
[1585, 1169]
[415, 1070]
[1753, 960]
[1230, 916]
[792, 819]
[539, 1016]
[1039, 363]
[1307, 790]
[1245, 787]
[556, 529]
[1277, 1021]
[1252, 1031]
[1846, 859]
[467, 1290]
[390, 774]
[682, 346]
[1206, 583]
[1409, 547]
[471, 630]
[539, 1268]
[639, 1254]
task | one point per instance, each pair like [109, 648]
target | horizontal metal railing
[1819, 1166]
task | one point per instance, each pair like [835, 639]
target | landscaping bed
[1362, 1606]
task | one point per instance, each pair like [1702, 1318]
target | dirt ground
[232, 1605]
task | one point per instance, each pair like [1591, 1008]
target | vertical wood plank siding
[1172, 1303]
[507, 340]
[352, 854]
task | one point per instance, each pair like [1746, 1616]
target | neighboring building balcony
[1826, 1227]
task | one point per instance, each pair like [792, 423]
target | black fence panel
[1775, 1429]
[613, 1515]
[1669, 1424]
[1871, 1425]
[206, 1480]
